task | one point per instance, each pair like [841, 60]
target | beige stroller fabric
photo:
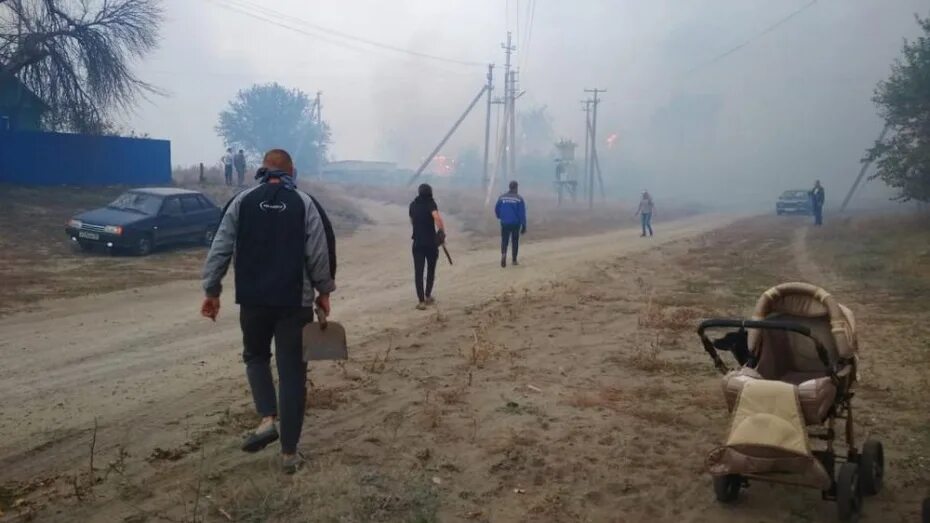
[768, 414]
[768, 437]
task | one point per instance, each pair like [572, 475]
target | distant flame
[612, 140]
[443, 165]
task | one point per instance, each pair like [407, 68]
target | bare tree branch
[77, 55]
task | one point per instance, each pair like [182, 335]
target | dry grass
[673, 318]
[880, 253]
[453, 396]
[326, 398]
[604, 398]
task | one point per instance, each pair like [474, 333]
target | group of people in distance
[235, 161]
[285, 255]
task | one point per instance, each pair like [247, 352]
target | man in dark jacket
[239, 162]
[511, 211]
[428, 235]
[817, 198]
[284, 250]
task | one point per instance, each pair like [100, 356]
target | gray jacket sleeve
[221, 250]
[316, 252]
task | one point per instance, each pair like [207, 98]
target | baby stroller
[796, 377]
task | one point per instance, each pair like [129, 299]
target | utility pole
[513, 124]
[587, 142]
[487, 127]
[448, 135]
[508, 104]
[865, 166]
[594, 103]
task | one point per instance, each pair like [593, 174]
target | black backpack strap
[330, 235]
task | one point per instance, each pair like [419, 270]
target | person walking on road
[239, 164]
[645, 210]
[817, 198]
[285, 253]
[428, 236]
[227, 161]
[511, 211]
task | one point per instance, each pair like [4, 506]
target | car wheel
[208, 236]
[85, 246]
[143, 246]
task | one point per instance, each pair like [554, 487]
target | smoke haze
[792, 105]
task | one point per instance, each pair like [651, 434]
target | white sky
[792, 106]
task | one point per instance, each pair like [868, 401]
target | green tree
[903, 157]
[77, 56]
[271, 116]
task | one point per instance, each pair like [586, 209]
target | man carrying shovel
[284, 252]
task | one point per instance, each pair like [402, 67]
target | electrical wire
[531, 9]
[752, 39]
[325, 34]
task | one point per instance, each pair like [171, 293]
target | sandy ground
[139, 358]
[570, 388]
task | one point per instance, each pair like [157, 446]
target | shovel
[324, 340]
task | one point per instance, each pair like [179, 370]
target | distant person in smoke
[239, 164]
[645, 210]
[285, 256]
[817, 198]
[511, 211]
[428, 236]
[227, 161]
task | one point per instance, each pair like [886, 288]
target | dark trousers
[647, 222]
[510, 234]
[424, 257]
[227, 173]
[285, 325]
[818, 215]
[240, 175]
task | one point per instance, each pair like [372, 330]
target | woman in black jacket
[428, 235]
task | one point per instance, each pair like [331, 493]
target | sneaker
[515, 262]
[421, 306]
[291, 463]
[260, 439]
[430, 300]
[503, 261]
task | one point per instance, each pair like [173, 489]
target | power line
[326, 34]
[752, 39]
[531, 9]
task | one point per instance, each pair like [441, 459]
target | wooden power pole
[593, 140]
[487, 127]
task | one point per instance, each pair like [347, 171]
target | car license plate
[88, 235]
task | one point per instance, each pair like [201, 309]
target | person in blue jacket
[511, 211]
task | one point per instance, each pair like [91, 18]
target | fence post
[201, 174]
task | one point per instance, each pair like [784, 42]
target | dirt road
[142, 362]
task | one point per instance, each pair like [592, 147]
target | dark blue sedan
[142, 219]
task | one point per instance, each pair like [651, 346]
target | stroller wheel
[871, 467]
[848, 493]
[726, 488]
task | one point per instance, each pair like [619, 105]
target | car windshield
[794, 195]
[137, 202]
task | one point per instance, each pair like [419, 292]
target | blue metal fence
[39, 158]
